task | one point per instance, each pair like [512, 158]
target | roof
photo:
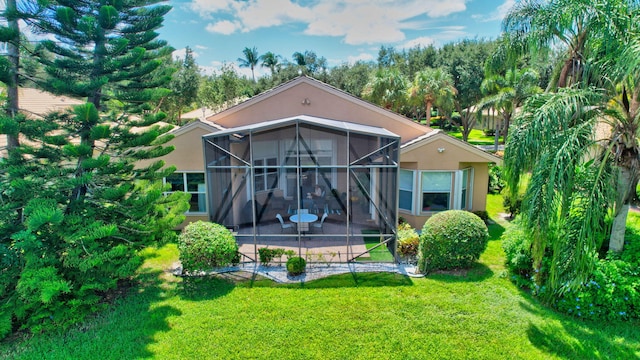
[34, 102]
[197, 124]
[439, 134]
[338, 125]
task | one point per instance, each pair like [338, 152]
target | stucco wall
[453, 157]
[321, 103]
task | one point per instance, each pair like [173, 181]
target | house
[254, 166]
[309, 168]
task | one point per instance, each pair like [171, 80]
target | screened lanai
[325, 189]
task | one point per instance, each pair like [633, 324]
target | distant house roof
[34, 102]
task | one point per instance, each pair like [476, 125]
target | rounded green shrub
[450, 240]
[205, 245]
[296, 265]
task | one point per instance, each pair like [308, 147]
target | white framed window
[266, 173]
[406, 190]
[436, 190]
[465, 189]
[194, 184]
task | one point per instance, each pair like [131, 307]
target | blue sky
[340, 30]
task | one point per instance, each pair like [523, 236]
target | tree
[184, 84]
[465, 60]
[387, 87]
[430, 86]
[535, 26]
[88, 204]
[507, 93]
[250, 60]
[309, 62]
[581, 146]
[271, 60]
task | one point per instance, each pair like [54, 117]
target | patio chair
[284, 226]
[321, 223]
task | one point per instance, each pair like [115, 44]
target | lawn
[478, 315]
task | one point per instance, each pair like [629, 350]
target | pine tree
[77, 207]
[184, 84]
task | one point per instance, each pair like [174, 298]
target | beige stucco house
[308, 167]
[436, 171]
[253, 166]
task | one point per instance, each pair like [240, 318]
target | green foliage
[482, 214]
[516, 243]
[612, 293]
[512, 203]
[77, 204]
[266, 255]
[296, 266]
[451, 239]
[205, 245]
[408, 241]
[496, 180]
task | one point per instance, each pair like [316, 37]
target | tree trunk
[427, 106]
[624, 188]
[13, 51]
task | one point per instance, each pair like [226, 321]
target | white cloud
[224, 27]
[355, 21]
[360, 57]
[201, 47]
[498, 14]
[423, 41]
[181, 53]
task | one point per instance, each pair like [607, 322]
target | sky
[340, 30]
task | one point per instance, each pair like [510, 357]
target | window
[436, 191]
[194, 184]
[464, 201]
[266, 173]
[406, 190]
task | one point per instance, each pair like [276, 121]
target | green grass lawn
[476, 315]
[476, 137]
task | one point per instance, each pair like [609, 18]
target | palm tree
[431, 86]
[507, 93]
[581, 146]
[250, 60]
[270, 60]
[387, 88]
[538, 25]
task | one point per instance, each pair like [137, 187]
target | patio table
[303, 220]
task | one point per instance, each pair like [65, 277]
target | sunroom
[323, 188]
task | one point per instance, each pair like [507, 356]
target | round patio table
[303, 220]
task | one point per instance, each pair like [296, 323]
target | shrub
[408, 241]
[482, 214]
[204, 245]
[451, 239]
[519, 261]
[513, 204]
[296, 266]
[613, 293]
[266, 254]
[496, 182]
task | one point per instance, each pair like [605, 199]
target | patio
[272, 183]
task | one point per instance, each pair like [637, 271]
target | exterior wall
[187, 156]
[453, 157]
[322, 103]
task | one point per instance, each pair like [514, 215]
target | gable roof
[334, 124]
[198, 124]
[394, 120]
[440, 135]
